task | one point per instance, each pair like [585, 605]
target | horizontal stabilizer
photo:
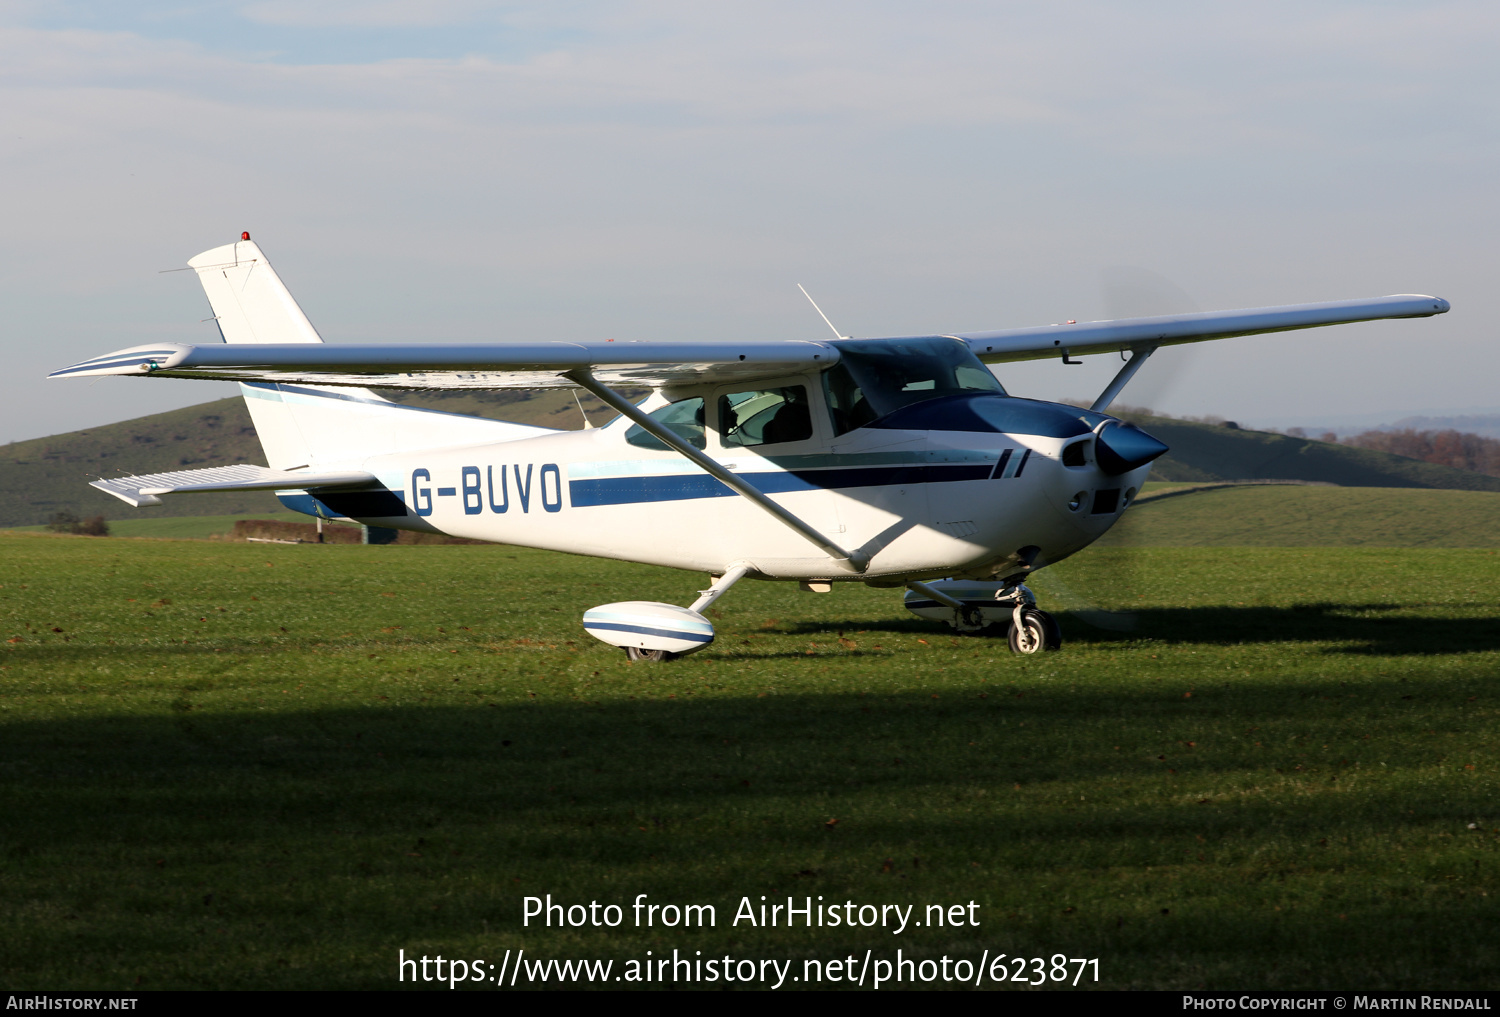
[146, 490]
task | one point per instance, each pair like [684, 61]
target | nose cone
[1122, 447]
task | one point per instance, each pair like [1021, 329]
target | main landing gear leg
[719, 588]
[1032, 630]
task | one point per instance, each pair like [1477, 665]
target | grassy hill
[1213, 452]
[48, 475]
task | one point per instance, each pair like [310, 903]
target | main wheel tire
[1038, 632]
[655, 656]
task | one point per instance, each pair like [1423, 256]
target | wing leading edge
[467, 365]
[1078, 339]
[656, 364]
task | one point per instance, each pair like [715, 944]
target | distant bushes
[307, 533]
[1446, 448]
[67, 522]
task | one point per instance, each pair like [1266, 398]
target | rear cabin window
[765, 417]
[683, 418]
[873, 378]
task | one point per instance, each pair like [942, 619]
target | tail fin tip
[249, 300]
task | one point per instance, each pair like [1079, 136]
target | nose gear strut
[1032, 630]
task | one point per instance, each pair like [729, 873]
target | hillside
[1202, 452]
[48, 475]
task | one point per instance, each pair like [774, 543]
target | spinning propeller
[1111, 573]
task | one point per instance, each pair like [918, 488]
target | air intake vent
[1106, 501]
[1074, 454]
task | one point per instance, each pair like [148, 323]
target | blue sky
[465, 170]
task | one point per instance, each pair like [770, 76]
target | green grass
[274, 766]
[183, 527]
[1290, 516]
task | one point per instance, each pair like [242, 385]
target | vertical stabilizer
[249, 301]
[252, 305]
[318, 425]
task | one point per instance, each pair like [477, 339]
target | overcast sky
[461, 170]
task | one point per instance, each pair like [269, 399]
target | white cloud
[669, 169]
[366, 13]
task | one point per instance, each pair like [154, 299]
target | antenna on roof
[810, 300]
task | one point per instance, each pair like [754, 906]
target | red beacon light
[245, 235]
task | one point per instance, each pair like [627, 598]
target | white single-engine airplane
[896, 462]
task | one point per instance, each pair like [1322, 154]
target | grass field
[267, 766]
[182, 527]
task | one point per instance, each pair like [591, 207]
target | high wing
[466, 365]
[1078, 339]
[655, 364]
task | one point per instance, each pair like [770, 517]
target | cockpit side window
[683, 418]
[877, 377]
[765, 417]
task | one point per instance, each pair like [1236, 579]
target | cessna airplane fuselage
[918, 500]
[892, 462]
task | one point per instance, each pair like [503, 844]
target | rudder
[302, 425]
[249, 300]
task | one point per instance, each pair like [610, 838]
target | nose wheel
[1031, 629]
[975, 608]
[1034, 631]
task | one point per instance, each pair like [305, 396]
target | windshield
[876, 377]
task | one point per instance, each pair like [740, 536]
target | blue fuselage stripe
[630, 490]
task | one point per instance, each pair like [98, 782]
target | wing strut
[853, 560]
[1137, 358]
